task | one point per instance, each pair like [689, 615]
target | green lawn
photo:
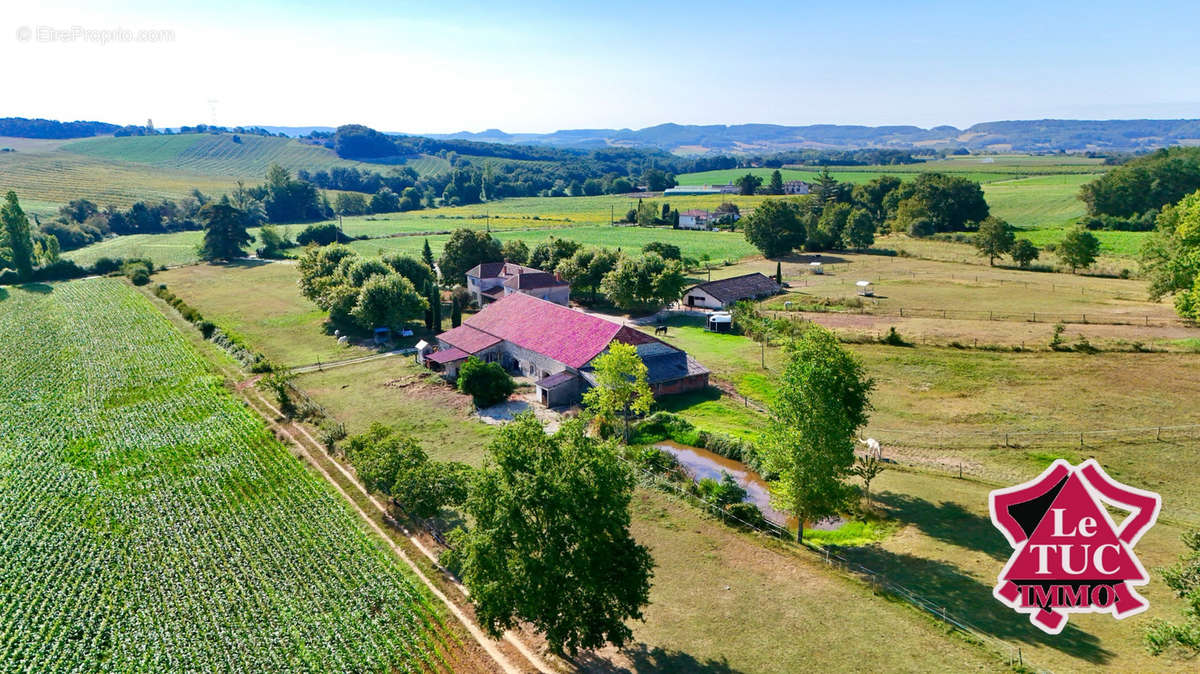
[262, 303]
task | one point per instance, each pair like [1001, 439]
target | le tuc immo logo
[1069, 555]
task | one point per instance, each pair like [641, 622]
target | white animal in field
[344, 340]
[873, 446]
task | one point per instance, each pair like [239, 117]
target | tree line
[841, 216]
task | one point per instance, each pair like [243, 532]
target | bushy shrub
[487, 383]
[655, 460]
[59, 270]
[893, 338]
[206, 328]
[746, 514]
[666, 426]
[140, 277]
[322, 234]
[105, 265]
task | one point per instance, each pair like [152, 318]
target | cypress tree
[779, 273]
[429, 309]
[427, 254]
[455, 313]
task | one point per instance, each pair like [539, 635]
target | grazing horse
[660, 330]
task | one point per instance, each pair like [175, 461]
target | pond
[701, 463]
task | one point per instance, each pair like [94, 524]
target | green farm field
[849, 174]
[120, 171]
[717, 245]
[152, 523]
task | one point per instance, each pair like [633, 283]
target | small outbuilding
[865, 288]
[722, 293]
[816, 267]
[720, 321]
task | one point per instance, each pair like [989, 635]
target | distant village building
[681, 190]
[723, 293]
[555, 346]
[491, 281]
[796, 187]
[695, 219]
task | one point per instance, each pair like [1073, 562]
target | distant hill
[1046, 135]
[20, 127]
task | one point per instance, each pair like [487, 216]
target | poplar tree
[17, 236]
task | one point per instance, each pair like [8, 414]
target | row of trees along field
[368, 292]
[838, 215]
[280, 198]
[1159, 191]
[27, 255]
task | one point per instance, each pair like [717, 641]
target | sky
[439, 67]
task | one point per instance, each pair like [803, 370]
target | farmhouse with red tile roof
[555, 345]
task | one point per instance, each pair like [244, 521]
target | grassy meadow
[936, 408]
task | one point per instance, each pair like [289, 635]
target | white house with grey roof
[724, 292]
[491, 281]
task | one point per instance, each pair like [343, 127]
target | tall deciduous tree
[18, 237]
[994, 238]
[774, 228]
[748, 183]
[860, 230]
[586, 268]
[225, 233]
[1023, 252]
[1078, 249]
[515, 251]
[465, 249]
[386, 300]
[550, 544]
[823, 399]
[644, 283]
[622, 389]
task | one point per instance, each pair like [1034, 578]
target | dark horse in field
[660, 330]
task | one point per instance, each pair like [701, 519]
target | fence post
[1158, 434]
[1081, 438]
[1006, 439]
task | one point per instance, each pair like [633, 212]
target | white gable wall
[696, 297]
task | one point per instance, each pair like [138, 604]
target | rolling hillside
[119, 171]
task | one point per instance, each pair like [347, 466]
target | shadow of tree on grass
[645, 659]
[948, 522]
[968, 600]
